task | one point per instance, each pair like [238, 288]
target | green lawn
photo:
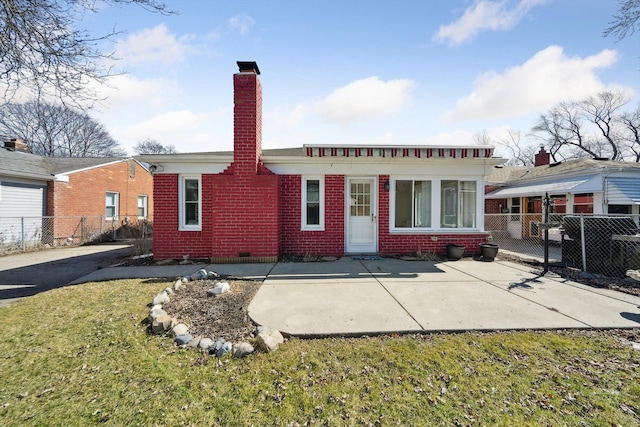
[81, 355]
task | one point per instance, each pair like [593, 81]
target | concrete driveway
[350, 297]
[27, 274]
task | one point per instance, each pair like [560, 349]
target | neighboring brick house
[107, 191]
[577, 186]
[255, 205]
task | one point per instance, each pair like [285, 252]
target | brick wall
[168, 241]
[244, 214]
[85, 193]
[294, 241]
[493, 206]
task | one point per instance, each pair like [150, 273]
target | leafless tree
[57, 130]
[603, 111]
[631, 135]
[625, 22]
[151, 146]
[592, 127]
[482, 138]
[519, 153]
[42, 50]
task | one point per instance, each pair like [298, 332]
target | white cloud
[365, 99]
[484, 15]
[457, 137]
[545, 79]
[155, 45]
[124, 89]
[360, 100]
[166, 128]
[241, 23]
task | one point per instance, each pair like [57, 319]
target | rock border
[267, 339]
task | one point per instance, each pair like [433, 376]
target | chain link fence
[24, 234]
[607, 245]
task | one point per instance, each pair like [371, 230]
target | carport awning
[536, 190]
[623, 191]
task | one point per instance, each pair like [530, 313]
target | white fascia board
[101, 165]
[196, 163]
[379, 166]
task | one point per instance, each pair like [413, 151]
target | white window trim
[436, 190]
[181, 211]
[117, 205]
[146, 206]
[303, 211]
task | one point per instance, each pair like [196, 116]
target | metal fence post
[24, 242]
[584, 244]
[546, 233]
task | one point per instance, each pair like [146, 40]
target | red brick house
[255, 205]
[108, 192]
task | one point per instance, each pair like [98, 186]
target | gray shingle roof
[27, 165]
[521, 174]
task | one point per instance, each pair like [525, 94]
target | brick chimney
[16, 144]
[247, 119]
[542, 158]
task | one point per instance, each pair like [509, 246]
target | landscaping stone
[269, 339]
[217, 345]
[161, 298]
[180, 329]
[183, 339]
[194, 342]
[226, 348]
[220, 288]
[155, 312]
[212, 274]
[169, 291]
[242, 349]
[177, 285]
[205, 343]
[162, 324]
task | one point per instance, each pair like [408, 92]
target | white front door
[362, 215]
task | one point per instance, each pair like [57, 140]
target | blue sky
[358, 72]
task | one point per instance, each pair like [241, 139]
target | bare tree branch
[150, 146]
[625, 22]
[57, 131]
[42, 52]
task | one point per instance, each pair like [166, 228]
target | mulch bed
[225, 315]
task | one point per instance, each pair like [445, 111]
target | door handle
[373, 218]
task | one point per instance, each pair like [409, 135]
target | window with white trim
[190, 199]
[142, 206]
[412, 206]
[312, 203]
[458, 204]
[111, 205]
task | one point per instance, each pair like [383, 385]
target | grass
[81, 356]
